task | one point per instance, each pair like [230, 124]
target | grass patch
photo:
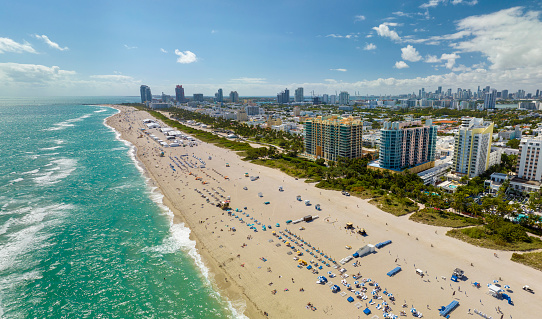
[533, 260]
[482, 237]
[394, 205]
[287, 167]
[443, 218]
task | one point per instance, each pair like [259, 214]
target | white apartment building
[529, 158]
[472, 147]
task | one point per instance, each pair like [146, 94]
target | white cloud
[162, 50]
[359, 18]
[50, 43]
[246, 80]
[186, 57]
[330, 80]
[410, 53]
[401, 65]
[434, 3]
[401, 14]
[340, 70]
[333, 35]
[369, 47]
[450, 59]
[8, 45]
[431, 59]
[509, 38]
[383, 30]
[129, 47]
[36, 74]
[113, 77]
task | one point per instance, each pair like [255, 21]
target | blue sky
[261, 47]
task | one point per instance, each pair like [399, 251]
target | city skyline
[374, 48]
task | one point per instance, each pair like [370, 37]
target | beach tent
[449, 308]
[367, 311]
[350, 299]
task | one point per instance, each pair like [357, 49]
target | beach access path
[236, 259]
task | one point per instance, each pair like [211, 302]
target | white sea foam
[68, 123]
[61, 169]
[50, 148]
[16, 180]
[179, 237]
[59, 141]
[100, 111]
[34, 171]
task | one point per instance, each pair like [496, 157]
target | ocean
[82, 234]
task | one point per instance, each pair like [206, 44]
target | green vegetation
[514, 143]
[295, 167]
[533, 259]
[397, 206]
[497, 234]
[443, 218]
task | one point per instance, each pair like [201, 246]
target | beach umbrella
[495, 281]
[507, 287]
[363, 284]
[384, 303]
[356, 282]
[357, 293]
[374, 292]
[412, 309]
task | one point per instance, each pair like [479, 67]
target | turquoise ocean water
[82, 235]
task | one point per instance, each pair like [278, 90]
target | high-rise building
[333, 99]
[179, 94]
[332, 137]
[504, 94]
[297, 110]
[472, 147]
[253, 110]
[234, 97]
[325, 98]
[198, 97]
[298, 95]
[530, 155]
[283, 97]
[344, 98]
[242, 115]
[219, 96]
[520, 94]
[145, 92]
[407, 144]
[490, 99]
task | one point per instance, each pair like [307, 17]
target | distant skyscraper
[504, 94]
[283, 97]
[219, 96]
[145, 92]
[253, 110]
[325, 98]
[489, 99]
[179, 94]
[234, 97]
[298, 95]
[344, 98]
[198, 97]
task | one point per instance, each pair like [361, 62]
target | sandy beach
[255, 269]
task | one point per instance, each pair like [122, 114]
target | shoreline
[233, 293]
[246, 276]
